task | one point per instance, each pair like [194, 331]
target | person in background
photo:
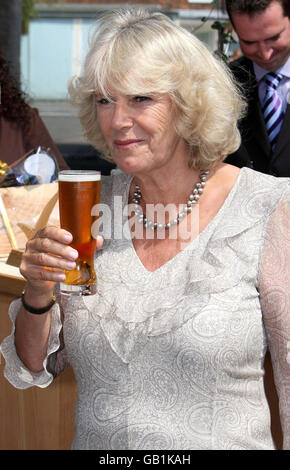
[169, 354]
[236, 55]
[263, 29]
[21, 128]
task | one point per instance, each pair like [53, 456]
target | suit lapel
[259, 131]
[284, 136]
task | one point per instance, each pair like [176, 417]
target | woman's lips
[122, 144]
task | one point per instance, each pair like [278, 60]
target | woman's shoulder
[261, 193]
[262, 181]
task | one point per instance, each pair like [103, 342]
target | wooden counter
[32, 419]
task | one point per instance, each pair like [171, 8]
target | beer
[79, 191]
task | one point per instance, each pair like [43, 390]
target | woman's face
[139, 131]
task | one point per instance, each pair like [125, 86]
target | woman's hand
[46, 257]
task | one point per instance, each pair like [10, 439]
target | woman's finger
[48, 260]
[100, 241]
[54, 233]
[47, 245]
[40, 273]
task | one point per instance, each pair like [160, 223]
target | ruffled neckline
[196, 240]
[233, 226]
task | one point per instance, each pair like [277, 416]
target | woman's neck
[166, 185]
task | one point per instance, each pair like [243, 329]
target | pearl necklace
[192, 200]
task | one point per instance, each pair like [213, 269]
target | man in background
[263, 29]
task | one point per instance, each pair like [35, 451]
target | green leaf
[28, 12]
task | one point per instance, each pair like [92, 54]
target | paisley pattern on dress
[173, 359]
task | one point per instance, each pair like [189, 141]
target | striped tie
[272, 107]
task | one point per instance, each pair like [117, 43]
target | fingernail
[67, 237]
[73, 254]
[70, 264]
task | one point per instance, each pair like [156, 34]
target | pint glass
[79, 191]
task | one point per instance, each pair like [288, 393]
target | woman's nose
[121, 116]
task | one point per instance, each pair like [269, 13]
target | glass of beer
[79, 191]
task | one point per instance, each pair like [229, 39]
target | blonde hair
[136, 52]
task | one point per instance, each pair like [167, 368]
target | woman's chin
[128, 166]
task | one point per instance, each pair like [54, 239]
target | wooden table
[36, 418]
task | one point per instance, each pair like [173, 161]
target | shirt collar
[260, 72]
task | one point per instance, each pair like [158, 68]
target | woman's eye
[139, 99]
[102, 101]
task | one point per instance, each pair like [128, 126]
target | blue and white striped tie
[272, 107]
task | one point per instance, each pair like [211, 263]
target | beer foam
[79, 176]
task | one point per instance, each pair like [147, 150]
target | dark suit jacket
[255, 150]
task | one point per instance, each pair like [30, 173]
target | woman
[21, 128]
[169, 353]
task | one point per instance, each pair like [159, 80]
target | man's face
[265, 37]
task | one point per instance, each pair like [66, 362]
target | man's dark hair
[252, 7]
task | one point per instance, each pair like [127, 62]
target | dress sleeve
[16, 372]
[274, 287]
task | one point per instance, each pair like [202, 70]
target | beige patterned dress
[173, 359]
